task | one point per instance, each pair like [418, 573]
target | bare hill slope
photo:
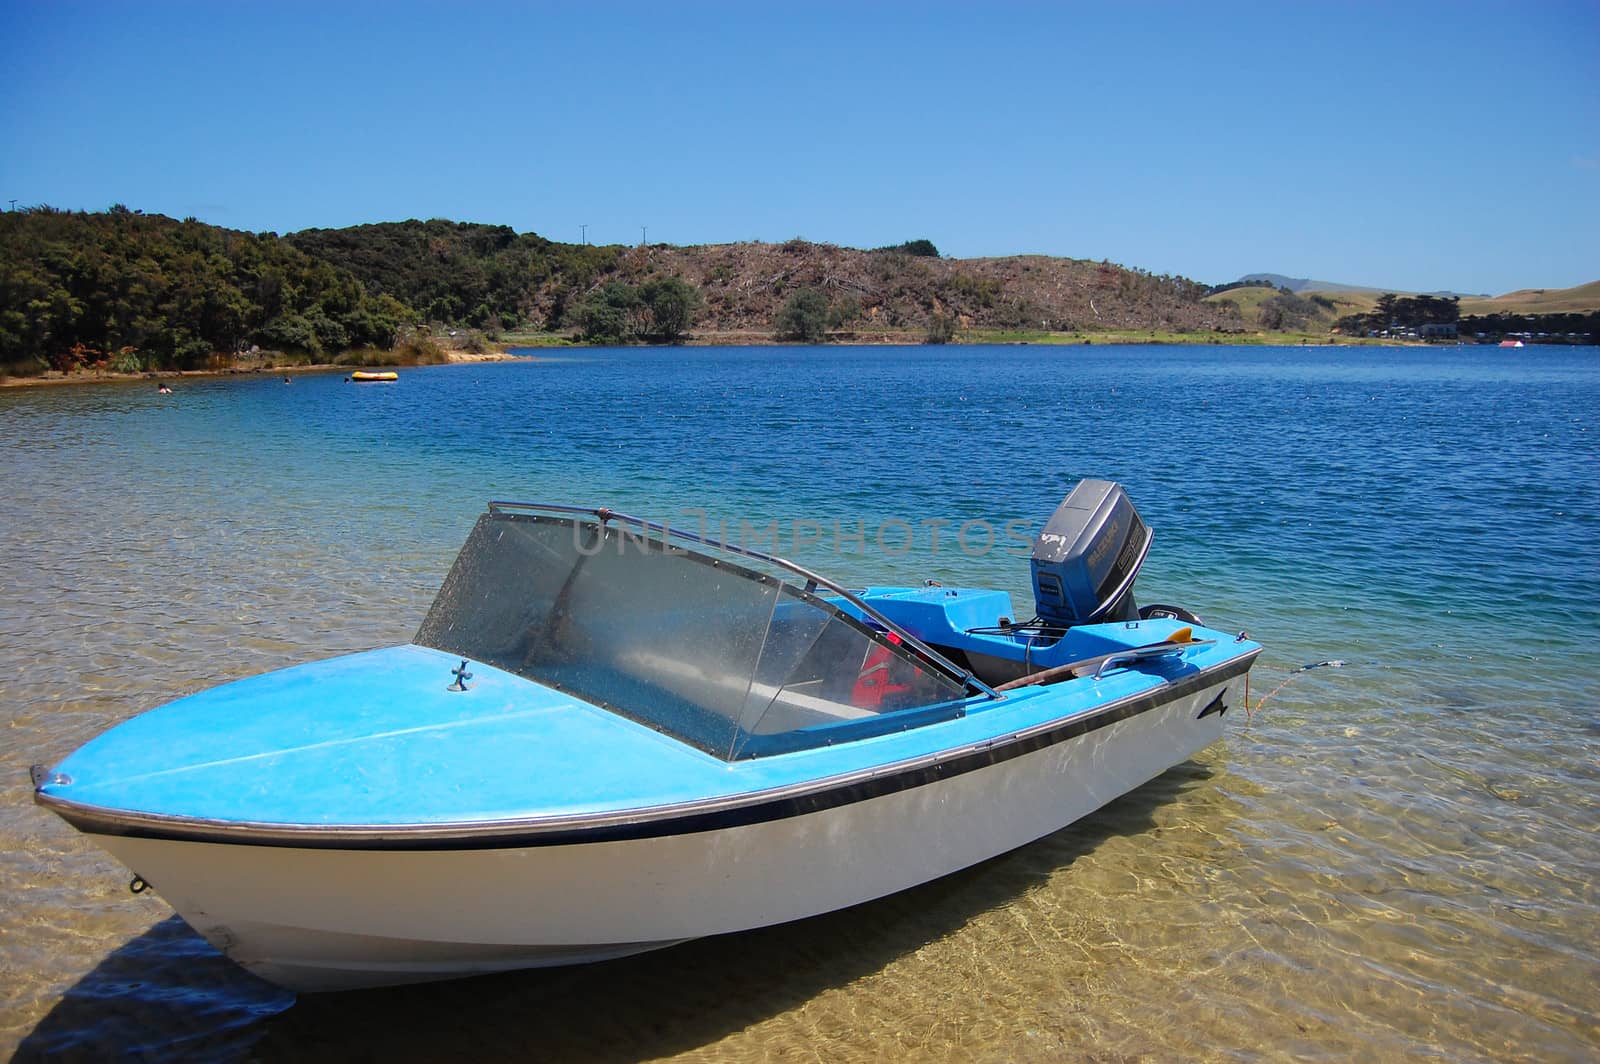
[745, 284]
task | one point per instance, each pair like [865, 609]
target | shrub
[413, 349]
[845, 311]
[917, 248]
[803, 317]
[289, 332]
[670, 303]
[607, 314]
[1286, 311]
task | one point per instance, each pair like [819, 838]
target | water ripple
[1393, 859]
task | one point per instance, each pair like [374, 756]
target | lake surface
[1395, 858]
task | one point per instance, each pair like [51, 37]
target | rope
[1250, 713]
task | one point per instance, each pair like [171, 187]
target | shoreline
[732, 338]
[994, 338]
[55, 377]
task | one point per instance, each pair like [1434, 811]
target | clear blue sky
[1413, 146]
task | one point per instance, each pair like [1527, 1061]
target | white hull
[325, 919]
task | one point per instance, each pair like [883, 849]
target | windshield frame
[759, 666]
[929, 656]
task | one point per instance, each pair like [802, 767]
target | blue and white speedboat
[609, 736]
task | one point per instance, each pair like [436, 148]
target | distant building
[1441, 330]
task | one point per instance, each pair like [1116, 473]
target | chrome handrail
[929, 656]
[1155, 650]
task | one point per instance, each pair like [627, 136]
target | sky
[1411, 146]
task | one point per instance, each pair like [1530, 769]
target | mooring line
[1250, 712]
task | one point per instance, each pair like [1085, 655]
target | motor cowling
[1087, 556]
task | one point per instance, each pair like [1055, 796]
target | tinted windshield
[732, 660]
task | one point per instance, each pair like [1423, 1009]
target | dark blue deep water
[1395, 857]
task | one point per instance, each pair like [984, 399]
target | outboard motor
[1087, 556]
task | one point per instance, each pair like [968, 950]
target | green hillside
[130, 292]
[462, 273]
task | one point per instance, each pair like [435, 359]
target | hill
[493, 278]
[1582, 299]
[461, 273]
[745, 285]
[1260, 307]
[1306, 284]
[132, 292]
[1353, 299]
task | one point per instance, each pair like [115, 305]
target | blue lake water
[1395, 857]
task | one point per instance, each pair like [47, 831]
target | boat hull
[329, 917]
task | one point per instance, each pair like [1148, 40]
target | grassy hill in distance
[1306, 284]
[1316, 310]
[1581, 299]
[1312, 309]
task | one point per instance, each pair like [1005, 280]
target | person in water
[163, 390]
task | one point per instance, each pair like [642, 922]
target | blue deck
[969, 620]
[377, 739]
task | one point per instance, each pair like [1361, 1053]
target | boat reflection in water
[609, 737]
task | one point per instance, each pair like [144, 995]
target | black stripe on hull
[94, 820]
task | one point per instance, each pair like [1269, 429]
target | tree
[670, 303]
[803, 317]
[145, 289]
[289, 332]
[914, 248]
[607, 315]
[1286, 311]
[941, 328]
[844, 312]
[462, 272]
[1383, 310]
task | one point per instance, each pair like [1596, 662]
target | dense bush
[844, 312]
[804, 316]
[484, 276]
[1541, 328]
[608, 314]
[670, 305]
[1403, 312]
[617, 312]
[159, 293]
[1286, 311]
[1216, 289]
[914, 248]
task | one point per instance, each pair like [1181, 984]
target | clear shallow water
[1393, 859]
